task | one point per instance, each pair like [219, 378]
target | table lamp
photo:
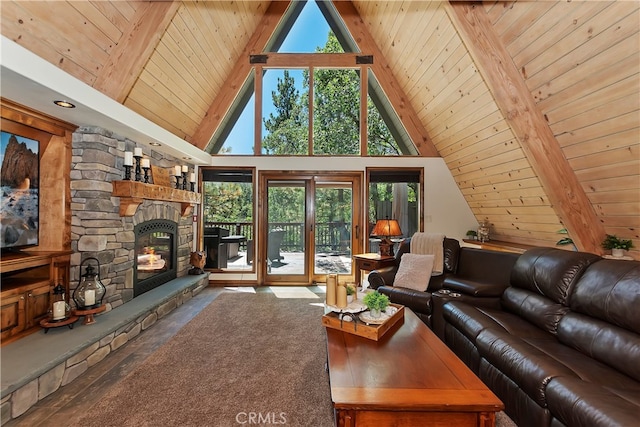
[385, 228]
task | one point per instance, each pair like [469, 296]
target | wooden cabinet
[28, 279]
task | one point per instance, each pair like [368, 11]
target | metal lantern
[90, 291]
[59, 307]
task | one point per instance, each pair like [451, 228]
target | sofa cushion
[582, 403]
[602, 341]
[524, 364]
[610, 290]
[551, 272]
[537, 309]
[414, 271]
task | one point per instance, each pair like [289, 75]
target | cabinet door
[37, 305]
[12, 314]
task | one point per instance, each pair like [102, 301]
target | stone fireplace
[98, 230]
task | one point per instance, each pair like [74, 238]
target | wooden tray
[372, 332]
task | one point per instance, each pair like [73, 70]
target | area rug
[246, 359]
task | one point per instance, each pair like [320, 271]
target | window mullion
[257, 142]
[311, 92]
[364, 74]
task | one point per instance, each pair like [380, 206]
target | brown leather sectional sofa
[560, 344]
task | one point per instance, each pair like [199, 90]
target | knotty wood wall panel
[192, 63]
[76, 36]
[580, 61]
[462, 118]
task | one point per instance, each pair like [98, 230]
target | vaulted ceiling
[534, 106]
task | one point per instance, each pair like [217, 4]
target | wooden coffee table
[408, 377]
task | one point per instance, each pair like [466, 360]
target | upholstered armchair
[418, 301]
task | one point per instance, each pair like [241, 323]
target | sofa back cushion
[550, 272]
[486, 266]
[610, 290]
[535, 308]
[604, 321]
[612, 345]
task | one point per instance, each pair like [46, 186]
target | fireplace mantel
[133, 193]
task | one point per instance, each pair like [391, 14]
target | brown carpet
[247, 359]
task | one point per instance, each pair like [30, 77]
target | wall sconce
[384, 229]
[90, 291]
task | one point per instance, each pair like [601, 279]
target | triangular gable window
[335, 126]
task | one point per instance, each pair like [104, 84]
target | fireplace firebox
[155, 254]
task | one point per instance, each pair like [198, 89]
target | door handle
[357, 231]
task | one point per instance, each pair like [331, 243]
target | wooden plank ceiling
[574, 63]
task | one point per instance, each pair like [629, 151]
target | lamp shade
[387, 227]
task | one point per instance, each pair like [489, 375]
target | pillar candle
[177, 171]
[331, 289]
[137, 152]
[192, 178]
[145, 163]
[185, 168]
[58, 310]
[89, 297]
[341, 296]
[128, 158]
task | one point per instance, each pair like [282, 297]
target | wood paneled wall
[580, 62]
[193, 61]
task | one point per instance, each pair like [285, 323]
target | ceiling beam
[538, 142]
[138, 41]
[238, 75]
[387, 80]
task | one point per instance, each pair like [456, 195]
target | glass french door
[312, 226]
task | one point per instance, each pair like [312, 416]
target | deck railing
[330, 236]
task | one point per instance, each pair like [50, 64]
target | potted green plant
[566, 240]
[472, 235]
[351, 292]
[616, 245]
[376, 303]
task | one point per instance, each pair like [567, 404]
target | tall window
[228, 210]
[396, 194]
[309, 107]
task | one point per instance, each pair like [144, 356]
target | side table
[88, 314]
[369, 262]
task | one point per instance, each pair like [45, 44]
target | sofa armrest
[382, 277]
[440, 298]
[419, 302]
[473, 288]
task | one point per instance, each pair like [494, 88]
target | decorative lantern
[483, 231]
[90, 291]
[59, 307]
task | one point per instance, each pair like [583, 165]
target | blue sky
[308, 32]
[31, 144]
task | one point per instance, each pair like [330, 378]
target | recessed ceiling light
[186, 158]
[64, 104]
[155, 144]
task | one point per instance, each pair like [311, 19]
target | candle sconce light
[90, 291]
